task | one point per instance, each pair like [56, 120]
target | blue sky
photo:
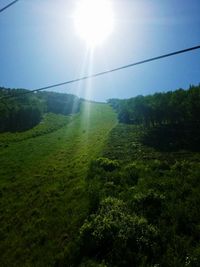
[38, 47]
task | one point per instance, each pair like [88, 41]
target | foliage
[178, 107]
[60, 103]
[92, 263]
[160, 189]
[106, 164]
[42, 187]
[85, 193]
[173, 137]
[22, 112]
[19, 114]
[50, 123]
[116, 235]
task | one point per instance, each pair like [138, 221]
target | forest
[20, 111]
[174, 107]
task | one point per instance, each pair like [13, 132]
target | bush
[107, 164]
[149, 204]
[116, 235]
[194, 259]
[131, 173]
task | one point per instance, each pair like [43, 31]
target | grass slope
[144, 203]
[43, 201]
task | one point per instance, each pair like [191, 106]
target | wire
[107, 71]
[9, 5]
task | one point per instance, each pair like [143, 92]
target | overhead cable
[108, 71]
[9, 5]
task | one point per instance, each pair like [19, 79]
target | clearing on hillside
[43, 201]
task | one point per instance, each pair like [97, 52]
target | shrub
[194, 259]
[131, 173]
[149, 204]
[107, 164]
[116, 235]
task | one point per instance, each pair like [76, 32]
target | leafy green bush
[107, 164]
[149, 204]
[131, 173]
[160, 165]
[118, 236]
[194, 259]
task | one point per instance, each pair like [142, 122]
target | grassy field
[42, 181]
[144, 203]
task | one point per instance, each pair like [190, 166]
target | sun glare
[94, 20]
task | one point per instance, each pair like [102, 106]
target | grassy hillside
[83, 190]
[144, 203]
[42, 186]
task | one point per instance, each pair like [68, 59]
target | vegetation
[42, 187]
[60, 103]
[50, 123]
[82, 190]
[144, 212]
[178, 107]
[21, 111]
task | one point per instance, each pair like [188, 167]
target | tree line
[177, 107]
[22, 112]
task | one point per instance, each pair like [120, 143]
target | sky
[39, 47]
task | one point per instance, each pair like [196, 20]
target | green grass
[42, 186]
[50, 123]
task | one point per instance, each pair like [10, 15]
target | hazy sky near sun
[39, 46]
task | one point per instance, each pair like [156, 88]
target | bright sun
[94, 20]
